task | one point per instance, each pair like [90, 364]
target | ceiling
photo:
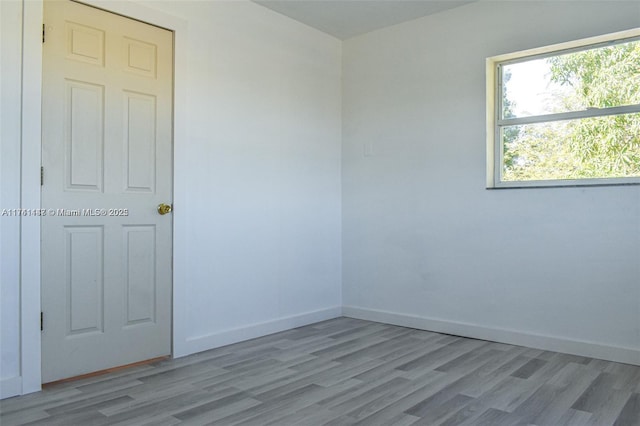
[349, 18]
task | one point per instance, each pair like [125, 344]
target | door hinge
[41, 321]
[43, 33]
[41, 175]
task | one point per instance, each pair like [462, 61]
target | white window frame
[494, 107]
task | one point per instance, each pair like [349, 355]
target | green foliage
[511, 133]
[598, 147]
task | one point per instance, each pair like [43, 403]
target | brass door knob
[164, 208]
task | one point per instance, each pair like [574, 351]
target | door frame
[31, 147]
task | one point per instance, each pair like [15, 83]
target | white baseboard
[11, 386]
[513, 337]
[228, 337]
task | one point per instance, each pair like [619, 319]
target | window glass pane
[598, 147]
[595, 78]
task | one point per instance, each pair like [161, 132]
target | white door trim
[30, 347]
[31, 148]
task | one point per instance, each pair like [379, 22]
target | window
[567, 114]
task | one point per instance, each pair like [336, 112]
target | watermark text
[64, 212]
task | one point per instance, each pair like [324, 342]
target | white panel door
[107, 162]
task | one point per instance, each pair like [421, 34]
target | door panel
[107, 158]
[140, 141]
[85, 136]
[140, 280]
[85, 43]
[85, 279]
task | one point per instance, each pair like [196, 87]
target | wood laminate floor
[344, 372]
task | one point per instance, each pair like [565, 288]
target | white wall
[10, 69]
[261, 175]
[257, 221]
[426, 245]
